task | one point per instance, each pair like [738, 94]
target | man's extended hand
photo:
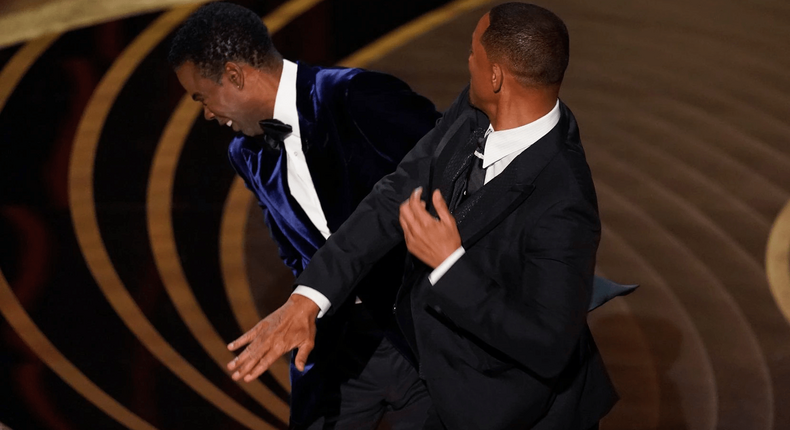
[291, 326]
[429, 239]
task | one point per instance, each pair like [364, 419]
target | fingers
[416, 194]
[242, 340]
[255, 360]
[255, 372]
[413, 217]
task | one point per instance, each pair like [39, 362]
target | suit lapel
[268, 177]
[452, 158]
[482, 211]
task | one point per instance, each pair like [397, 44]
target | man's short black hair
[221, 32]
[532, 42]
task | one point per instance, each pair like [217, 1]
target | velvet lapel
[482, 211]
[324, 155]
[269, 174]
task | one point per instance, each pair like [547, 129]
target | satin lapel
[481, 212]
[269, 177]
[324, 155]
[451, 159]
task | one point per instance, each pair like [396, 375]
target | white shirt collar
[285, 100]
[500, 144]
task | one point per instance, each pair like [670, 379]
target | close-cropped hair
[221, 32]
[532, 42]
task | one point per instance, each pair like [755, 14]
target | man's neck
[517, 108]
[265, 84]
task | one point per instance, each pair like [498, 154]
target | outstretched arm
[369, 233]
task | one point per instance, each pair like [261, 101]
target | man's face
[225, 102]
[480, 70]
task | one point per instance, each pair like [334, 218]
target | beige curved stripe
[166, 258]
[83, 212]
[59, 16]
[26, 329]
[231, 245]
[12, 309]
[20, 63]
[777, 261]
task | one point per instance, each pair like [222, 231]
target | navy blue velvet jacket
[356, 126]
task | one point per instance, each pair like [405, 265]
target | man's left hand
[430, 239]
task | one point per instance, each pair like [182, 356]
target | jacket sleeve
[539, 322]
[373, 228]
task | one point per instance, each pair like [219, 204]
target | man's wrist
[319, 299]
[305, 305]
[445, 265]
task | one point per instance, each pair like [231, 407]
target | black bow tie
[275, 132]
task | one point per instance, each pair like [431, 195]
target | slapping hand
[290, 326]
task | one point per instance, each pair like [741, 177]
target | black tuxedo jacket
[502, 337]
[355, 126]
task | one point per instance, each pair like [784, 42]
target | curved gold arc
[26, 329]
[20, 63]
[777, 261]
[231, 245]
[234, 268]
[83, 212]
[12, 309]
[163, 244]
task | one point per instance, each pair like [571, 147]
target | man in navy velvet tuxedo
[334, 133]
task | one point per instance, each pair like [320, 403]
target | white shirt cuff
[448, 262]
[318, 298]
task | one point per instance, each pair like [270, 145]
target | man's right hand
[291, 326]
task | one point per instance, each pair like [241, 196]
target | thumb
[301, 355]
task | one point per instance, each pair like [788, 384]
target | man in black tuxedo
[497, 290]
[335, 133]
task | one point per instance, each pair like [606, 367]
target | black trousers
[375, 387]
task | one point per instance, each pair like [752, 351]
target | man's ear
[497, 77]
[235, 74]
